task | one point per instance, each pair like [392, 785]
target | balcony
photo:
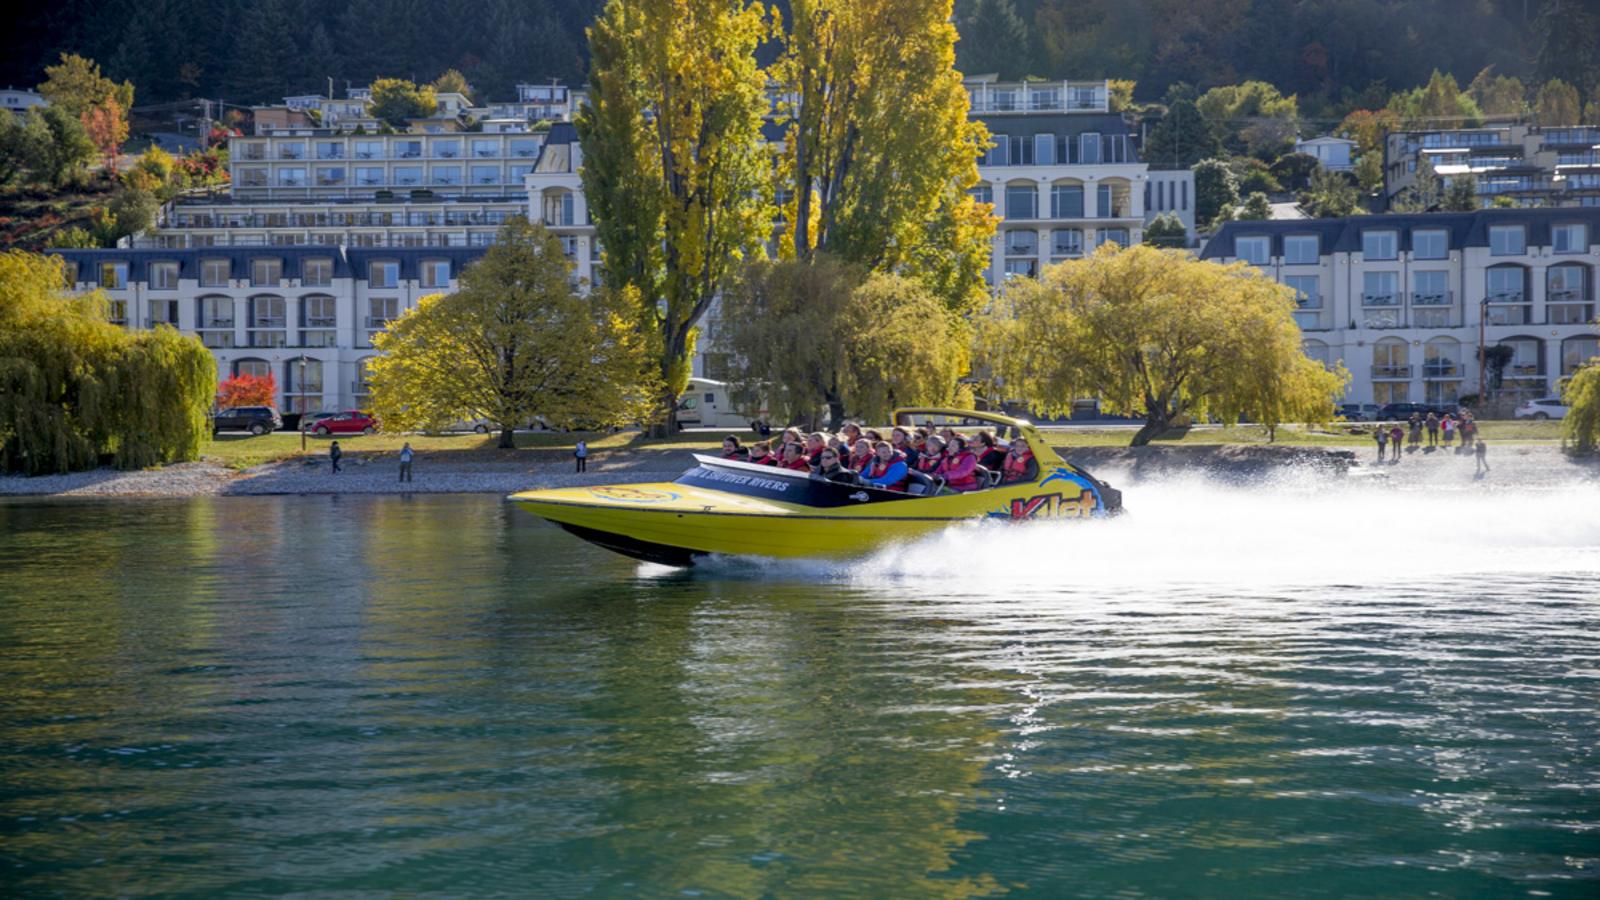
[1391, 373]
[286, 153]
[1435, 317]
[216, 340]
[377, 323]
[1384, 299]
[1432, 298]
[1569, 313]
[1441, 368]
[330, 153]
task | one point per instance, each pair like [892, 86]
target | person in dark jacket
[831, 470]
[732, 449]
[990, 455]
[334, 455]
[900, 439]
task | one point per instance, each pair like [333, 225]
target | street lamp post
[303, 402]
[1483, 313]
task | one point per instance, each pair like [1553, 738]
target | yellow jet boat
[738, 508]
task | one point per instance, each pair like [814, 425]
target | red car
[355, 422]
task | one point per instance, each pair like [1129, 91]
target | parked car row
[260, 420]
[1544, 408]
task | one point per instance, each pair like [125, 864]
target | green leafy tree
[1369, 128]
[75, 86]
[452, 82]
[395, 100]
[16, 148]
[1558, 104]
[134, 206]
[877, 135]
[1256, 207]
[60, 147]
[1591, 110]
[516, 342]
[74, 388]
[1293, 170]
[1438, 104]
[1120, 94]
[1580, 430]
[1499, 95]
[1166, 230]
[1215, 191]
[822, 333]
[1330, 196]
[1158, 334]
[1182, 138]
[1253, 175]
[1568, 33]
[1424, 194]
[1461, 194]
[1253, 117]
[991, 36]
[675, 170]
[1369, 172]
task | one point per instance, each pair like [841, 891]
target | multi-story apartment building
[1530, 165]
[324, 164]
[305, 315]
[1064, 173]
[1404, 300]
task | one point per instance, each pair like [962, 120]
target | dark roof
[346, 260]
[1468, 229]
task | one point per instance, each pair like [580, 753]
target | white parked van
[709, 404]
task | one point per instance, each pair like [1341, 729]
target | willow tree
[515, 343]
[1157, 334]
[76, 390]
[826, 334]
[1580, 430]
[675, 169]
[879, 153]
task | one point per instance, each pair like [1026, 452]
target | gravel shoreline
[1527, 465]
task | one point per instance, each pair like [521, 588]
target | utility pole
[1483, 308]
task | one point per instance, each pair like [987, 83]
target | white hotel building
[1402, 300]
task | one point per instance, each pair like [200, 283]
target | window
[447, 149]
[485, 174]
[1564, 284]
[1118, 236]
[1105, 202]
[1022, 242]
[1044, 149]
[407, 149]
[255, 368]
[1089, 147]
[485, 148]
[1021, 152]
[1430, 243]
[382, 310]
[292, 176]
[1504, 284]
[318, 317]
[435, 273]
[1066, 242]
[1378, 245]
[329, 150]
[214, 273]
[1022, 202]
[1254, 249]
[383, 274]
[1379, 289]
[1300, 249]
[559, 209]
[114, 275]
[1066, 201]
[1018, 268]
[446, 174]
[526, 148]
[1507, 240]
[1000, 153]
[1430, 288]
[330, 176]
[316, 272]
[267, 322]
[302, 391]
[1305, 290]
[983, 193]
[369, 149]
[164, 276]
[1570, 238]
[266, 272]
[408, 176]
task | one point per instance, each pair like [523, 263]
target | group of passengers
[859, 456]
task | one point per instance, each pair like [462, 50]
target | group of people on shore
[1437, 429]
[868, 457]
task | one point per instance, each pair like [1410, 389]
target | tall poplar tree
[878, 152]
[675, 169]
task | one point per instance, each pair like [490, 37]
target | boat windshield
[964, 424]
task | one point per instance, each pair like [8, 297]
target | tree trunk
[835, 414]
[508, 439]
[1156, 421]
[667, 413]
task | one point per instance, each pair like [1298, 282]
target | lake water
[1309, 690]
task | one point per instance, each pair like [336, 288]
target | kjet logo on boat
[768, 484]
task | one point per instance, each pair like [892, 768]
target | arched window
[1578, 351]
[214, 320]
[1319, 351]
[1568, 295]
[267, 321]
[319, 319]
[1441, 358]
[302, 380]
[1506, 289]
[257, 368]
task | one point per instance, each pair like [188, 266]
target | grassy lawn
[241, 451]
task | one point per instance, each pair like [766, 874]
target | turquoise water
[1283, 692]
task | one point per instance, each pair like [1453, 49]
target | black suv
[254, 419]
[1399, 412]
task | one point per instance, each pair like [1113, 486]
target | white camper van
[709, 404]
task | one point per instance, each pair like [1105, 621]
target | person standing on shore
[1433, 430]
[1480, 452]
[1414, 437]
[1396, 435]
[1381, 435]
[334, 455]
[405, 462]
[580, 455]
[1448, 426]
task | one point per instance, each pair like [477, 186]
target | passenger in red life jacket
[794, 457]
[932, 455]
[850, 433]
[887, 468]
[732, 449]
[761, 454]
[960, 466]
[861, 454]
[816, 442]
[990, 454]
[902, 442]
[1020, 466]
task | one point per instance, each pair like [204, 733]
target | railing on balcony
[216, 339]
[378, 323]
[1380, 299]
[1508, 315]
[1569, 313]
[1431, 298]
[1435, 317]
[1441, 369]
[1391, 372]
